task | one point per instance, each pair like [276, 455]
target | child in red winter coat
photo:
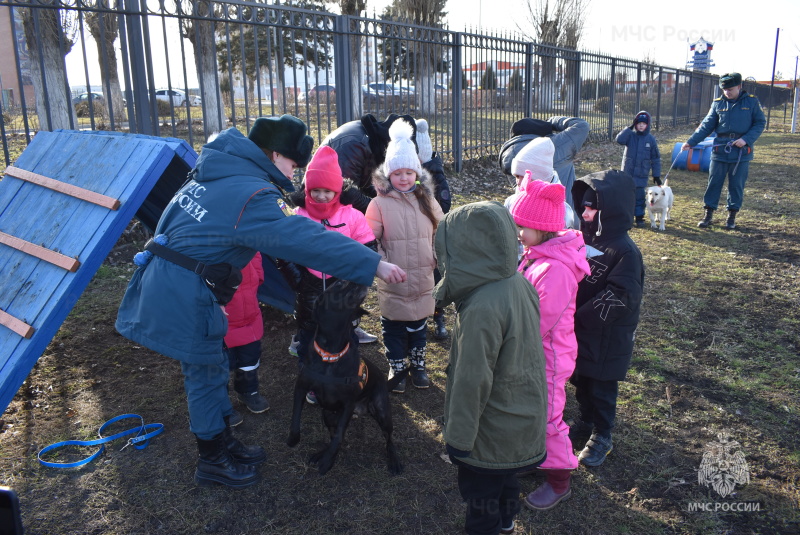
[243, 341]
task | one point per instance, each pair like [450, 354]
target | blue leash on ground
[143, 433]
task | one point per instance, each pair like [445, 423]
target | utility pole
[772, 83]
[794, 106]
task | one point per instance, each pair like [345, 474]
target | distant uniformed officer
[738, 120]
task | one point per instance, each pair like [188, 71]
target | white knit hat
[424, 146]
[401, 153]
[536, 157]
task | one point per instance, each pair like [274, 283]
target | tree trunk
[354, 8]
[214, 116]
[53, 103]
[105, 37]
[546, 89]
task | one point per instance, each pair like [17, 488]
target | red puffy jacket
[245, 324]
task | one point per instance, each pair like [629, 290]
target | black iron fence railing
[188, 68]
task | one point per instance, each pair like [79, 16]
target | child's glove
[350, 193]
[657, 181]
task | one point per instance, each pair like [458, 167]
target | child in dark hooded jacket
[640, 157]
[607, 306]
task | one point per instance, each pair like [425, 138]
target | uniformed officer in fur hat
[738, 120]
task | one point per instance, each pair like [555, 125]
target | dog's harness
[361, 378]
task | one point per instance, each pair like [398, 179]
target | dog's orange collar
[330, 357]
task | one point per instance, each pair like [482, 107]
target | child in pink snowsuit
[320, 201]
[554, 261]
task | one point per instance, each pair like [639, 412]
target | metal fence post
[141, 121]
[639, 85]
[342, 72]
[529, 52]
[576, 108]
[611, 98]
[658, 98]
[456, 77]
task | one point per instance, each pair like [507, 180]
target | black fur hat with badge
[285, 135]
[731, 79]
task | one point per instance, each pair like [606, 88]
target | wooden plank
[58, 259]
[16, 325]
[62, 187]
[49, 296]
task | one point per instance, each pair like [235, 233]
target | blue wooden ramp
[63, 206]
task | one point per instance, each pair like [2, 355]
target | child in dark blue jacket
[640, 156]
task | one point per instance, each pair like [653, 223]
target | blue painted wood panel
[122, 166]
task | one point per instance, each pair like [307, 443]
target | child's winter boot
[553, 491]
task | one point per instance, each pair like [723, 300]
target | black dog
[341, 379]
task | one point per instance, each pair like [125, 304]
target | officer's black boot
[706, 221]
[242, 454]
[217, 466]
[730, 224]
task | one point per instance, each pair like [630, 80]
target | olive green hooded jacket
[496, 398]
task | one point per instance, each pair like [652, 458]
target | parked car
[380, 93]
[178, 97]
[406, 90]
[84, 97]
[323, 93]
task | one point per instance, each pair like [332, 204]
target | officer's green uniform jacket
[731, 120]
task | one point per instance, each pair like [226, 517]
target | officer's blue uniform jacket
[732, 119]
[230, 208]
[641, 153]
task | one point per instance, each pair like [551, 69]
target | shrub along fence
[187, 68]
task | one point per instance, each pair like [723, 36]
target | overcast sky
[743, 33]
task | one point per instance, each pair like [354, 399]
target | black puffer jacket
[361, 147]
[608, 301]
[441, 188]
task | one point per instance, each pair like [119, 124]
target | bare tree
[423, 54]
[104, 27]
[557, 24]
[201, 32]
[50, 35]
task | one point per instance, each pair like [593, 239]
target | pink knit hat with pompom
[539, 205]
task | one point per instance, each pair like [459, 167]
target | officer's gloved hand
[657, 181]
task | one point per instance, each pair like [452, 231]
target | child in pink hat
[320, 200]
[554, 261]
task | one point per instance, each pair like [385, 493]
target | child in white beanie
[403, 216]
[537, 157]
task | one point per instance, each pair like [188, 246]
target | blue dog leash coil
[143, 433]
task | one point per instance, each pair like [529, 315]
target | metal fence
[187, 68]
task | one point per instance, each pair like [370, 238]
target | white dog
[659, 203]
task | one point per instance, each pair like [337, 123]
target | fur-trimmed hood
[384, 187]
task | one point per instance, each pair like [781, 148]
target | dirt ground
[717, 352]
